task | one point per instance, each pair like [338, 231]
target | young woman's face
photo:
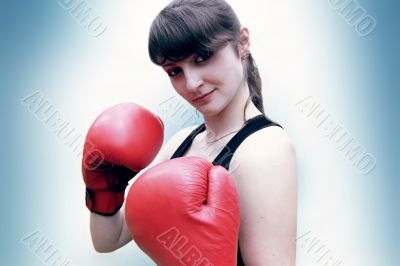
[210, 82]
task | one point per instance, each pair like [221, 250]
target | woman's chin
[210, 110]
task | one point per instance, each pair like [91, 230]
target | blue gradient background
[303, 48]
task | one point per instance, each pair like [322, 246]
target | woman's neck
[231, 118]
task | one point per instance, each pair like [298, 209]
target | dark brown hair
[186, 27]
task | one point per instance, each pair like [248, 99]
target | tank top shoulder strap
[185, 145]
[224, 157]
[252, 125]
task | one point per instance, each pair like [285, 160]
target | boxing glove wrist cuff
[104, 202]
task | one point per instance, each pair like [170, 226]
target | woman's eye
[204, 56]
[175, 71]
[201, 57]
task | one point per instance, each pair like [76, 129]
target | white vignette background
[307, 51]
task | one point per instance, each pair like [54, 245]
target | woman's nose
[193, 80]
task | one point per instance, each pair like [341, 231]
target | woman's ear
[244, 40]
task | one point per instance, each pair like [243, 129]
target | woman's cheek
[178, 88]
[183, 94]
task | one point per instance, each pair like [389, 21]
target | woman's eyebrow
[168, 64]
[184, 60]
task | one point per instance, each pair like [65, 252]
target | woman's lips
[203, 97]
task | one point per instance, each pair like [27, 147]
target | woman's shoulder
[270, 136]
[267, 146]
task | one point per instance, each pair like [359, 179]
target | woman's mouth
[203, 98]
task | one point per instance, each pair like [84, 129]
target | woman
[203, 48]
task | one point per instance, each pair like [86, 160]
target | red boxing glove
[185, 211]
[123, 140]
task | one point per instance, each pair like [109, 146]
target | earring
[245, 56]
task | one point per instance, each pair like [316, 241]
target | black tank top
[224, 157]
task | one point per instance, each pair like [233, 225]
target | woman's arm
[111, 232]
[267, 186]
